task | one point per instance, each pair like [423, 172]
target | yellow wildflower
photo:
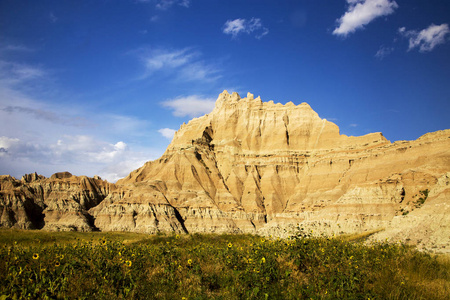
[35, 256]
[128, 263]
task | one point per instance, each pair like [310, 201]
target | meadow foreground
[43, 265]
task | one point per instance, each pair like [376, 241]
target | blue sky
[98, 87]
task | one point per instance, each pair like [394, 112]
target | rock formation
[58, 203]
[257, 167]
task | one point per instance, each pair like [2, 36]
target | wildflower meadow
[67, 265]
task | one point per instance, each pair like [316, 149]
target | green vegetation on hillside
[40, 265]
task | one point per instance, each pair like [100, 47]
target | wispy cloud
[165, 59]
[16, 73]
[166, 4]
[168, 133]
[383, 52]
[50, 140]
[199, 71]
[192, 106]
[185, 64]
[52, 17]
[79, 154]
[15, 48]
[238, 26]
[47, 138]
[361, 13]
[427, 39]
[53, 117]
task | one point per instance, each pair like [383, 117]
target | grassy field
[45, 265]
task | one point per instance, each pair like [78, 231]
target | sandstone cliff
[60, 202]
[261, 167]
[256, 167]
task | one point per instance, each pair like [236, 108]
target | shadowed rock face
[60, 202]
[256, 167]
[260, 167]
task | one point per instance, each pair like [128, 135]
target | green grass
[32, 237]
[40, 265]
[359, 237]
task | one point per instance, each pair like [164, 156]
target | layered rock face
[60, 202]
[260, 167]
[256, 167]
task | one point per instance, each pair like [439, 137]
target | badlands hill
[60, 202]
[260, 167]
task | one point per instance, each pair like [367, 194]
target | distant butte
[257, 167]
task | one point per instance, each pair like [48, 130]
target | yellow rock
[260, 167]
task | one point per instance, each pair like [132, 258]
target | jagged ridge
[261, 167]
[251, 166]
[60, 202]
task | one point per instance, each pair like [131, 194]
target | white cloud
[80, 155]
[383, 52]
[6, 144]
[361, 13]
[30, 143]
[192, 106]
[122, 168]
[168, 133]
[86, 148]
[185, 64]
[234, 27]
[426, 39]
[237, 26]
[48, 138]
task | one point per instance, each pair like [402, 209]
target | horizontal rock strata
[256, 167]
[260, 167]
[60, 202]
